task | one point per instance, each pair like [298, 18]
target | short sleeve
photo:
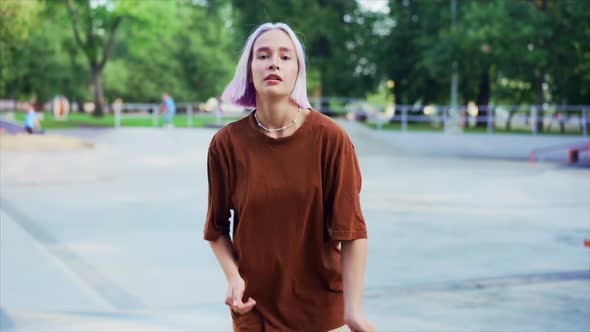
[218, 210]
[343, 215]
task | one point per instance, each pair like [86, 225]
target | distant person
[32, 119]
[169, 110]
[60, 107]
[117, 105]
[296, 260]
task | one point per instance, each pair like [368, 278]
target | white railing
[506, 117]
[140, 110]
[492, 117]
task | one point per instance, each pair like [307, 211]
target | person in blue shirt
[31, 120]
[169, 109]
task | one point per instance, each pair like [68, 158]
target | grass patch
[417, 126]
[83, 120]
[75, 120]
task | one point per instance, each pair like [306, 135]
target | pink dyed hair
[241, 90]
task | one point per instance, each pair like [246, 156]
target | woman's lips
[274, 77]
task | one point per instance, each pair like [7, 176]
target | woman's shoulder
[223, 137]
[329, 128]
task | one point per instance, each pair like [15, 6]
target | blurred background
[490, 59]
[470, 119]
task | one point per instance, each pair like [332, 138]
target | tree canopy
[529, 51]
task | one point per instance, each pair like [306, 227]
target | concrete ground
[462, 237]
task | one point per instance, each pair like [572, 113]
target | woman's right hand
[235, 292]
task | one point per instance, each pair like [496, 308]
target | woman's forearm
[354, 257]
[224, 251]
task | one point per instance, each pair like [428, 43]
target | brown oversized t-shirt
[294, 199]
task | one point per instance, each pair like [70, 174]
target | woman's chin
[272, 92]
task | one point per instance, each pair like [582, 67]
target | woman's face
[274, 64]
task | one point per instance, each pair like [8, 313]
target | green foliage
[415, 26]
[44, 62]
[512, 52]
[189, 58]
[168, 46]
[337, 37]
[492, 42]
[569, 59]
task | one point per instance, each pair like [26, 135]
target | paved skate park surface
[464, 234]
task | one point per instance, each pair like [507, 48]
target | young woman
[296, 259]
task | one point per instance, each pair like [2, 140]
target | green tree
[95, 25]
[492, 39]
[569, 61]
[18, 20]
[43, 63]
[414, 29]
[337, 36]
[183, 48]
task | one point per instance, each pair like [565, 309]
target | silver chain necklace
[277, 129]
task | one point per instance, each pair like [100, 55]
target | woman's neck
[276, 113]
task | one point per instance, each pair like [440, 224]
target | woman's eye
[286, 58]
[262, 57]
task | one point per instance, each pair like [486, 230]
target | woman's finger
[246, 307]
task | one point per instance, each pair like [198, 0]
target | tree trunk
[98, 92]
[509, 120]
[541, 100]
[483, 98]
[323, 78]
[464, 122]
[540, 93]
[562, 126]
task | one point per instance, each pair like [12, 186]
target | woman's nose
[274, 63]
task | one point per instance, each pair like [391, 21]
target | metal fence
[191, 111]
[532, 118]
[135, 111]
